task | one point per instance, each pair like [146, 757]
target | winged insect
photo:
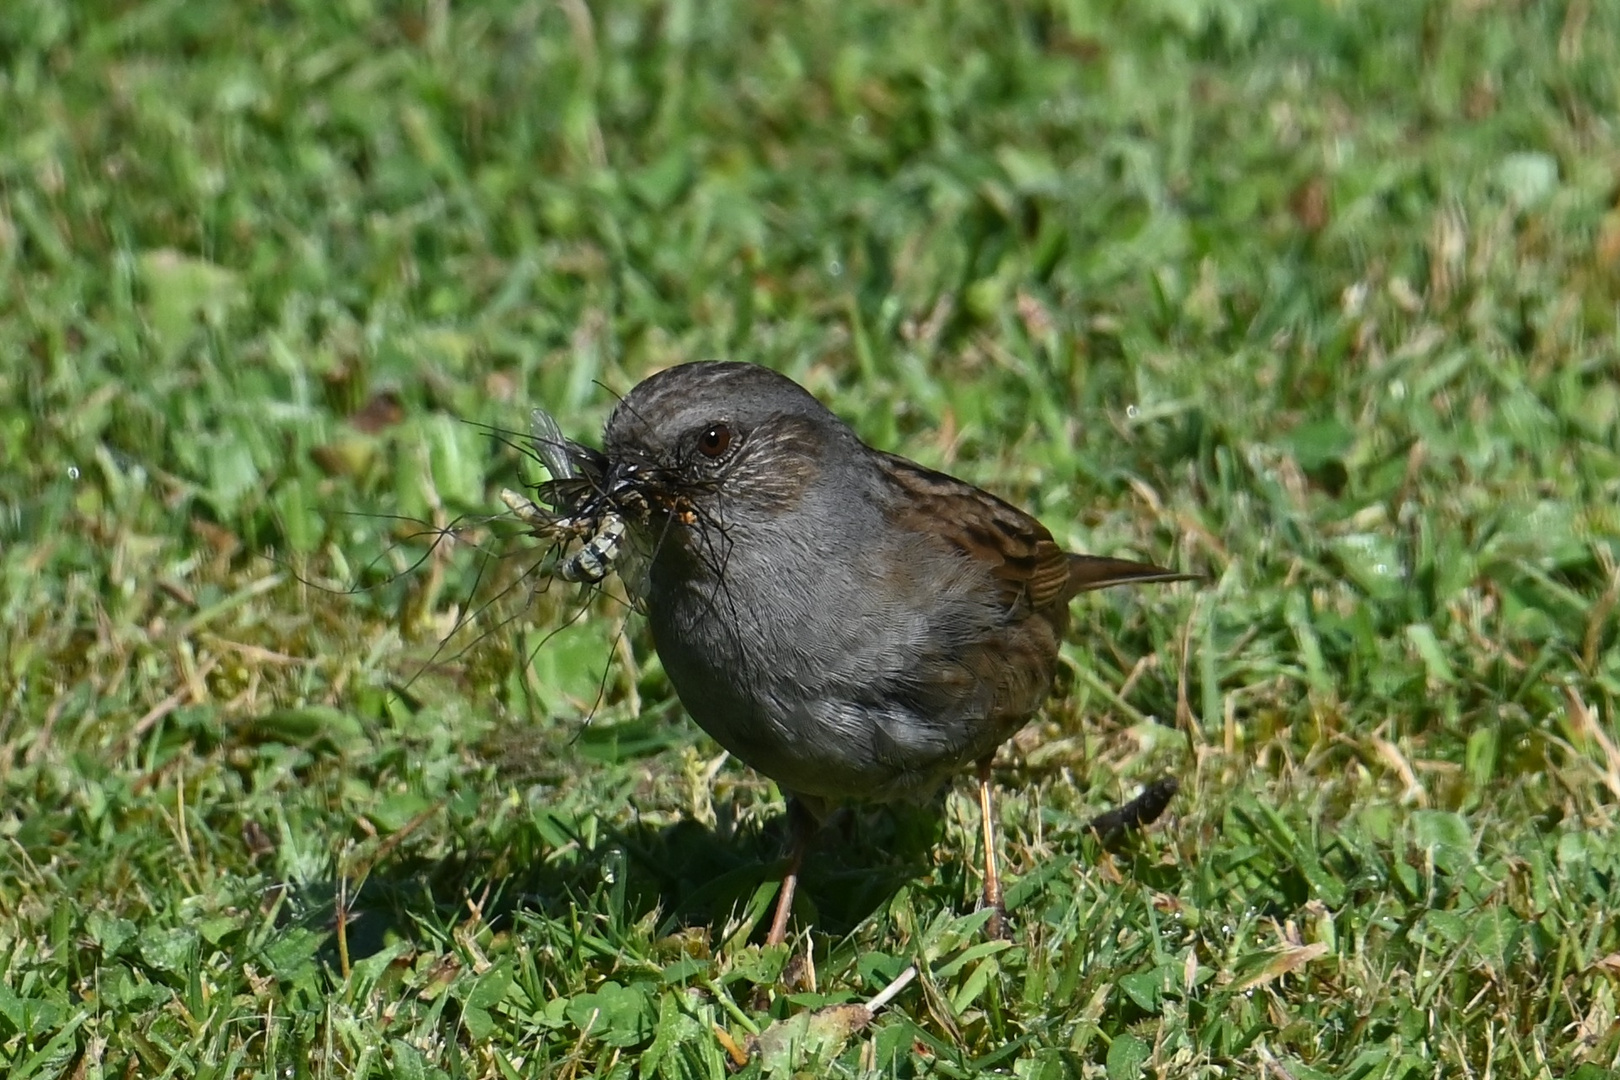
[579, 505]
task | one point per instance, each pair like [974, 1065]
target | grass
[1319, 299]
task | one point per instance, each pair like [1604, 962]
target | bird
[851, 624]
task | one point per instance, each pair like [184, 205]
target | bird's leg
[992, 878]
[801, 827]
[784, 897]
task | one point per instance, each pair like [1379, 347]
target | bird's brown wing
[1034, 574]
[1006, 673]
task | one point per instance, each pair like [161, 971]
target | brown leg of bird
[784, 898]
[801, 827]
[992, 878]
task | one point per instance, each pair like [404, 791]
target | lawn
[305, 773]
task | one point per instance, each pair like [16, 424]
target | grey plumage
[845, 621]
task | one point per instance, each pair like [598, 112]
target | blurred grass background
[1317, 298]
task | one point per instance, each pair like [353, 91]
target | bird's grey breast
[819, 645]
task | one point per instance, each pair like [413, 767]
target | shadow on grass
[693, 877]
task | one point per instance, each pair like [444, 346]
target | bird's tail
[1088, 572]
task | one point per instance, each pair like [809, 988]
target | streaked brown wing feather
[1031, 570]
[1009, 672]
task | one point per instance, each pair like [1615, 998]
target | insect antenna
[620, 647]
[534, 579]
[717, 546]
[461, 528]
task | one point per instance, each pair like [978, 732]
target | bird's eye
[715, 440]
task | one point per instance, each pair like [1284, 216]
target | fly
[580, 511]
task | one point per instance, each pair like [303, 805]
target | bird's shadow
[687, 876]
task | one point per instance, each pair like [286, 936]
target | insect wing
[555, 449]
[566, 496]
[577, 500]
[577, 471]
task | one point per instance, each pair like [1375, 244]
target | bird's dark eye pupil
[714, 440]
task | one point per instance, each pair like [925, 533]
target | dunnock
[845, 621]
